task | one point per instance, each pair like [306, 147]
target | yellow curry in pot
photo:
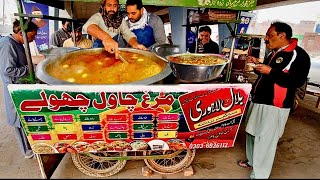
[103, 68]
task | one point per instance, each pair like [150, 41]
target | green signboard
[90, 118]
[220, 4]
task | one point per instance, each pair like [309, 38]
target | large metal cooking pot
[44, 76]
[194, 72]
[189, 72]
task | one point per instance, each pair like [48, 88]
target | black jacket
[211, 47]
[278, 88]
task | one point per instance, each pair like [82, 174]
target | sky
[291, 13]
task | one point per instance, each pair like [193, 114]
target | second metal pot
[196, 73]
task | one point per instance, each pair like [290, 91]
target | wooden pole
[3, 8]
[31, 78]
[43, 174]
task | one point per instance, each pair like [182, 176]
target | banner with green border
[219, 4]
[75, 118]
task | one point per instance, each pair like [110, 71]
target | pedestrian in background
[81, 42]
[58, 37]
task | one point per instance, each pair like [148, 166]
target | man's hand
[263, 69]
[141, 47]
[251, 59]
[134, 43]
[111, 46]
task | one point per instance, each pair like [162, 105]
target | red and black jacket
[290, 69]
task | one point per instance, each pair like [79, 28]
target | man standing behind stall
[13, 67]
[81, 42]
[107, 25]
[58, 37]
[205, 44]
[147, 26]
[284, 70]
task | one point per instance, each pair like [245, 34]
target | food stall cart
[103, 125]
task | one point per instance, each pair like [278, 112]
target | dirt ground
[297, 156]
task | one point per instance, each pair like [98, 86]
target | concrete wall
[178, 17]
[224, 35]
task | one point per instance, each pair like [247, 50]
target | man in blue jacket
[284, 70]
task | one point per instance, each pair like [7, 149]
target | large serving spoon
[122, 58]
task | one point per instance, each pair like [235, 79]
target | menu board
[220, 4]
[93, 118]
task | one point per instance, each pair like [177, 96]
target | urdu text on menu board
[78, 118]
[220, 4]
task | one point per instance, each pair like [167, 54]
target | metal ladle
[122, 59]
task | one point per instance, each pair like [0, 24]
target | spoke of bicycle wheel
[84, 158]
[173, 162]
[166, 162]
[91, 165]
[99, 166]
[180, 158]
[103, 166]
[88, 161]
[159, 161]
[110, 164]
[163, 162]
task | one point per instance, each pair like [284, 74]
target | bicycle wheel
[171, 165]
[93, 164]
